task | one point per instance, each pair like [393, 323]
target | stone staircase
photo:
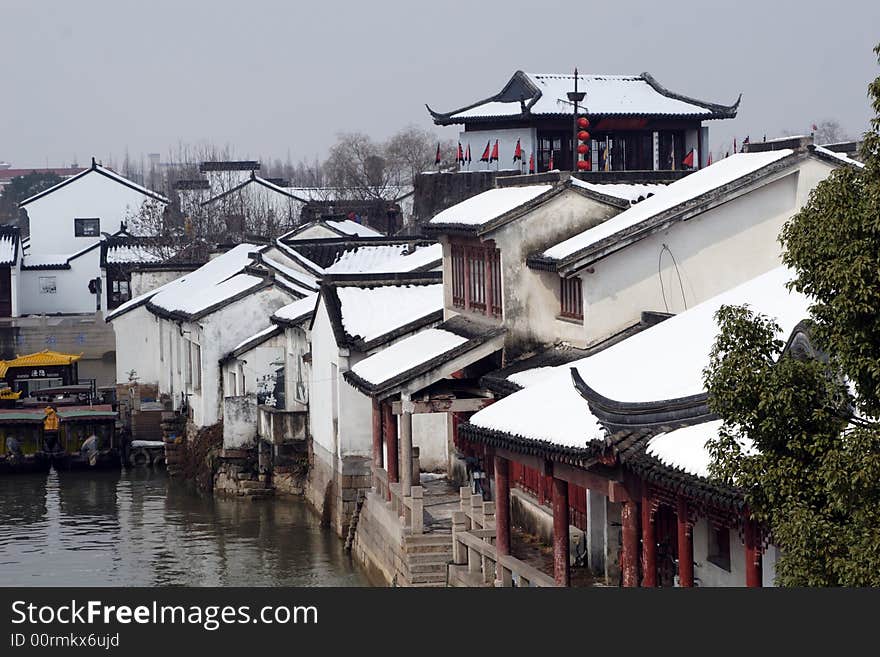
[427, 558]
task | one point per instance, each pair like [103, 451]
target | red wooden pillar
[685, 545]
[502, 505]
[377, 433]
[649, 543]
[629, 519]
[391, 443]
[754, 570]
[560, 532]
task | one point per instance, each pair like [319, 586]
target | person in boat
[89, 449]
[13, 449]
[51, 426]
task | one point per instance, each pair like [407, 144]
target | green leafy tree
[800, 434]
[21, 188]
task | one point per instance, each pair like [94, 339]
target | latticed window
[572, 299]
[476, 278]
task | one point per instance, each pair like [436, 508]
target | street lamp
[575, 97]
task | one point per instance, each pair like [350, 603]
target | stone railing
[409, 508]
[476, 562]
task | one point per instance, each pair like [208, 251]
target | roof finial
[94, 164]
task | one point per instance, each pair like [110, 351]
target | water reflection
[138, 528]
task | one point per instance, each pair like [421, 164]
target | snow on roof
[700, 182]
[257, 338]
[385, 258]
[46, 260]
[627, 192]
[7, 247]
[184, 299]
[97, 168]
[685, 448]
[406, 354]
[350, 227]
[371, 312]
[299, 309]
[489, 205]
[605, 94]
[128, 253]
[307, 281]
[669, 359]
[209, 275]
[839, 156]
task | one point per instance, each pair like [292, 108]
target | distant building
[635, 123]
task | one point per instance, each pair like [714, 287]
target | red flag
[550, 165]
[815, 127]
[437, 157]
[494, 156]
[688, 160]
[467, 154]
[485, 156]
[710, 159]
[460, 154]
[517, 152]
[532, 163]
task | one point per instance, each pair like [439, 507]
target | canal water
[139, 528]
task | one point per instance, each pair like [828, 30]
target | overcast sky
[268, 78]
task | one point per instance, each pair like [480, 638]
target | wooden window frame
[571, 298]
[476, 278]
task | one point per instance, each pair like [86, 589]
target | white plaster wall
[506, 147]
[431, 437]
[72, 287]
[93, 195]
[298, 374]
[148, 280]
[137, 346]
[714, 252]
[325, 354]
[530, 298]
[707, 573]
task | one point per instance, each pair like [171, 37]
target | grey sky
[97, 77]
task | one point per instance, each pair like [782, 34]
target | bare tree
[828, 131]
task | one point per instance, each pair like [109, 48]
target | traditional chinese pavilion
[635, 124]
[43, 369]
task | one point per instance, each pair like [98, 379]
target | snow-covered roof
[681, 191]
[134, 252]
[844, 159]
[627, 192]
[190, 300]
[299, 310]
[489, 205]
[207, 283]
[371, 312]
[407, 354]
[306, 282]
[662, 362]
[97, 168]
[386, 258]
[8, 245]
[530, 94]
[430, 355]
[258, 338]
[349, 227]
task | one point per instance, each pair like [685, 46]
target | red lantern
[583, 122]
[583, 135]
[583, 165]
[583, 149]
